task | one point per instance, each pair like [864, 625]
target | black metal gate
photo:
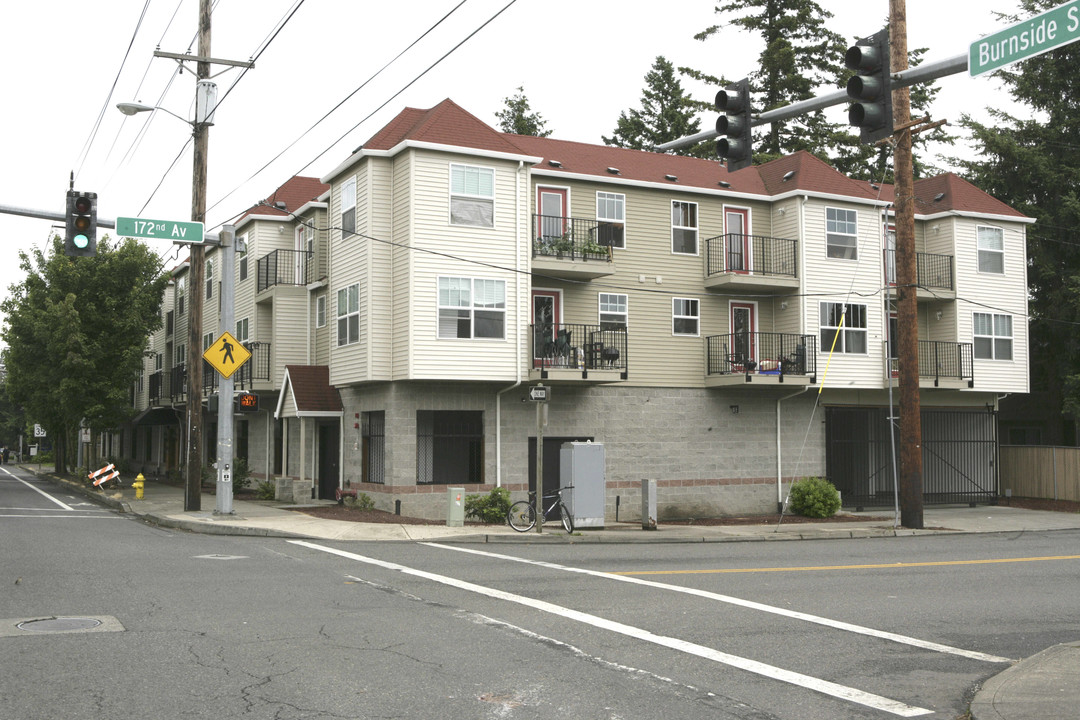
[959, 451]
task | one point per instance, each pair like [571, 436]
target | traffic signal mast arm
[208, 238]
[905, 78]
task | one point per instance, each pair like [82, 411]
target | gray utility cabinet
[581, 464]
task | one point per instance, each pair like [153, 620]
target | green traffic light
[81, 241]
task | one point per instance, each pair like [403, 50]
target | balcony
[736, 262]
[575, 353]
[283, 267]
[760, 358]
[574, 248]
[941, 365]
[934, 275]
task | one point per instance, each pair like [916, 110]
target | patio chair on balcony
[740, 362]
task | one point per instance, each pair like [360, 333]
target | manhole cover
[59, 625]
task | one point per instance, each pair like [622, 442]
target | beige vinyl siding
[290, 329]
[995, 294]
[837, 280]
[347, 362]
[461, 359]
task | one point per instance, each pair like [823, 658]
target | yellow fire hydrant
[138, 485]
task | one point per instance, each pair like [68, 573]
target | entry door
[546, 317]
[552, 210]
[736, 223]
[743, 335]
[328, 461]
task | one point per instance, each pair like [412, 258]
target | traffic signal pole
[907, 280]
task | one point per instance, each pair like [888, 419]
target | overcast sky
[581, 63]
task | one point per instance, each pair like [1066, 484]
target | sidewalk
[1040, 687]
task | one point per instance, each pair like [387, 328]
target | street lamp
[205, 101]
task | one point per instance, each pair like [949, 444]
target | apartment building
[719, 333]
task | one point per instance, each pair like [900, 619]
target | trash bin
[581, 464]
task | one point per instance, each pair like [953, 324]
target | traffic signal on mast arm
[737, 145]
[870, 87]
[80, 240]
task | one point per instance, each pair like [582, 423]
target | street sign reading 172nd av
[1034, 36]
[175, 230]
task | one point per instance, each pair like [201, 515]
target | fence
[1039, 471]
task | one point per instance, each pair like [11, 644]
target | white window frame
[207, 341]
[992, 336]
[320, 311]
[348, 202]
[987, 255]
[243, 327]
[613, 309]
[180, 355]
[855, 330]
[685, 311]
[209, 279]
[471, 188]
[691, 229]
[845, 230]
[348, 315]
[181, 295]
[461, 299]
[611, 207]
[243, 271]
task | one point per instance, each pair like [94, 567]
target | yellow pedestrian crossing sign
[226, 355]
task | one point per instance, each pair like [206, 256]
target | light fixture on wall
[938, 314]
[783, 304]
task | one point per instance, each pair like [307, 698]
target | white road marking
[38, 490]
[750, 604]
[811, 683]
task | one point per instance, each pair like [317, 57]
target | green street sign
[177, 231]
[1034, 36]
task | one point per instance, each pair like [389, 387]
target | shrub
[265, 491]
[362, 501]
[814, 497]
[490, 508]
[241, 476]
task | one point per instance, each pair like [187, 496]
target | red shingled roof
[448, 124]
[295, 193]
[311, 389]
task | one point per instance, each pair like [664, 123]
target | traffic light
[737, 144]
[81, 237]
[870, 87]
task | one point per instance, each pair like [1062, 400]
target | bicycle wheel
[567, 521]
[522, 516]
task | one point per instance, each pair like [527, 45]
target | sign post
[539, 395]
[1049, 30]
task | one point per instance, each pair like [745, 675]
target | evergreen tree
[75, 330]
[667, 113]
[517, 117]
[1032, 163]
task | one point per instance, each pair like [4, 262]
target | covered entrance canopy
[306, 394]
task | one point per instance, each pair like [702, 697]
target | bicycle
[522, 514]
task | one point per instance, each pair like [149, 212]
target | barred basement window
[449, 447]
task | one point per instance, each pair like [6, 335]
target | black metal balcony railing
[178, 382]
[154, 386]
[575, 238]
[283, 267]
[751, 254]
[761, 353]
[940, 361]
[258, 367]
[933, 271]
[576, 346]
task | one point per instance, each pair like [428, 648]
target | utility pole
[907, 280]
[197, 264]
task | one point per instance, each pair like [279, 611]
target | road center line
[876, 566]
[811, 683]
[750, 604]
[38, 490]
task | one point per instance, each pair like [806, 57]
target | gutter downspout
[517, 337]
[779, 475]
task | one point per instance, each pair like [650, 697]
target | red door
[743, 336]
[737, 240]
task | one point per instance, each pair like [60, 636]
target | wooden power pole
[907, 279]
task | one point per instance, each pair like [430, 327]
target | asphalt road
[200, 626]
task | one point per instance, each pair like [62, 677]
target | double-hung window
[348, 207]
[613, 312]
[472, 308]
[991, 249]
[611, 219]
[348, 315]
[993, 336]
[320, 311]
[844, 325]
[472, 196]
[685, 316]
[242, 330]
[684, 227]
[841, 234]
[181, 296]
